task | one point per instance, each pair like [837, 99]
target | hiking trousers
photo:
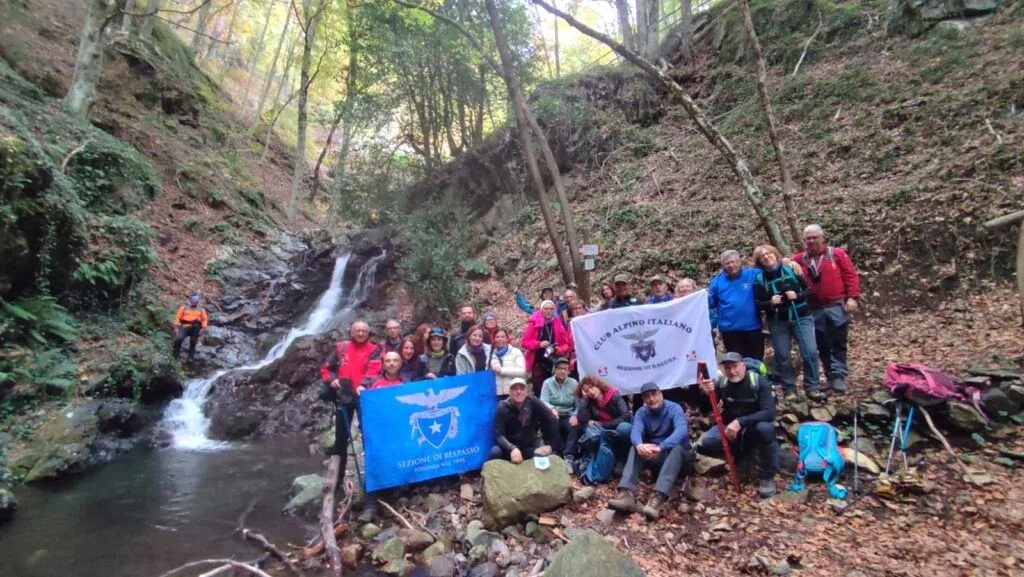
[746, 343]
[192, 333]
[783, 335]
[831, 332]
[344, 414]
[760, 436]
[668, 466]
[569, 435]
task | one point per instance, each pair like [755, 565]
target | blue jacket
[665, 428]
[525, 306]
[731, 301]
[654, 300]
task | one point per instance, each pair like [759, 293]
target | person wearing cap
[190, 321]
[559, 394]
[392, 336]
[518, 420]
[659, 290]
[437, 361]
[545, 338]
[507, 362]
[490, 327]
[748, 411]
[661, 442]
[623, 297]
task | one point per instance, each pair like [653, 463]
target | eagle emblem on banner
[434, 425]
[642, 347]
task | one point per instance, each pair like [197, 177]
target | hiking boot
[816, 396]
[624, 502]
[570, 465]
[837, 384]
[766, 488]
[790, 397]
[653, 508]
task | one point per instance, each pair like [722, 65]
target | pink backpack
[927, 387]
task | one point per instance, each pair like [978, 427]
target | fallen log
[330, 542]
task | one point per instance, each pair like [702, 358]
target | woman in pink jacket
[544, 340]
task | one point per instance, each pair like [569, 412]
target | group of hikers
[544, 406]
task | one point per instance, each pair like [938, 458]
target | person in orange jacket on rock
[190, 321]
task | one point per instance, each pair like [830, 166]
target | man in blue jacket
[661, 442]
[731, 301]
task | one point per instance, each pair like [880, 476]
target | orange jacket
[188, 315]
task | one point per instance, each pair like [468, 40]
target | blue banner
[427, 429]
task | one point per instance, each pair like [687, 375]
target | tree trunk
[273, 65]
[256, 54]
[146, 28]
[127, 20]
[648, 13]
[286, 73]
[214, 48]
[625, 25]
[701, 121]
[558, 58]
[308, 37]
[686, 34]
[788, 186]
[92, 49]
[201, 22]
[323, 154]
[523, 128]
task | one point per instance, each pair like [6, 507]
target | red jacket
[354, 362]
[385, 381]
[836, 279]
[531, 338]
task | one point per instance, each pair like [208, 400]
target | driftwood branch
[327, 516]
[397, 515]
[1005, 220]
[807, 45]
[231, 563]
[250, 535]
[67, 159]
[942, 439]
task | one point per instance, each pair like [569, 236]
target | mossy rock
[589, 555]
[63, 445]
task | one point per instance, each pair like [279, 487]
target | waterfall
[184, 417]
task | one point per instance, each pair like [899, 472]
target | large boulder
[62, 446]
[589, 555]
[511, 492]
[8, 504]
[307, 495]
[914, 17]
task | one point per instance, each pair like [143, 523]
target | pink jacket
[531, 338]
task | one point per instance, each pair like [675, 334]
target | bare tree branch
[230, 562]
[808, 44]
[173, 11]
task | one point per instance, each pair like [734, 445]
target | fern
[39, 319]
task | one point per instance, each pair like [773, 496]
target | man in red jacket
[835, 290]
[352, 366]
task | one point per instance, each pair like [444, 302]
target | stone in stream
[511, 492]
[442, 566]
[369, 531]
[307, 495]
[351, 554]
[389, 551]
[436, 502]
[484, 570]
[466, 492]
[415, 540]
[589, 555]
[8, 504]
[433, 551]
[477, 535]
[477, 555]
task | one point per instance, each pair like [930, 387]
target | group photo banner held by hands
[427, 429]
[660, 343]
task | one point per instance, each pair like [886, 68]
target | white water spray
[184, 417]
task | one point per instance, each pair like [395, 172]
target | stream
[152, 510]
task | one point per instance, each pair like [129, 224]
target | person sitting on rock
[472, 356]
[559, 393]
[354, 364]
[467, 318]
[516, 423]
[507, 362]
[190, 321]
[544, 340]
[659, 290]
[661, 442]
[490, 327]
[602, 405]
[391, 372]
[748, 411]
[437, 360]
[413, 369]
[392, 336]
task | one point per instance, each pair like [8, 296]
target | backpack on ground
[927, 387]
[600, 465]
[819, 455]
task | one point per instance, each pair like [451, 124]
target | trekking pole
[352, 443]
[856, 446]
[906, 433]
[702, 369]
[895, 434]
[801, 342]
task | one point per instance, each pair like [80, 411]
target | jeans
[190, 331]
[831, 329]
[569, 436]
[746, 343]
[668, 467]
[783, 333]
[499, 453]
[761, 435]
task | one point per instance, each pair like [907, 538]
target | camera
[549, 352]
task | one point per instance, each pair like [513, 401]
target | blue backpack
[599, 467]
[819, 455]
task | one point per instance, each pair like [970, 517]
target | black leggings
[190, 331]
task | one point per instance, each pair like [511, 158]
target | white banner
[659, 343]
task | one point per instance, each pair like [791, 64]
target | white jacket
[511, 366]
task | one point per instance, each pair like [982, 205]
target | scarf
[437, 355]
[500, 353]
[602, 405]
[479, 359]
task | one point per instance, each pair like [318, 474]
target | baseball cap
[437, 332]
[732, 358]
[561, 360]
[194, 299]
[658, 278]
[649, 387]
[517, 381]
[623, 278]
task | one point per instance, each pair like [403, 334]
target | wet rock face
[279, 399]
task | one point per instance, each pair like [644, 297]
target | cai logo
[642, 347]
[434, 425]
[691, 356]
